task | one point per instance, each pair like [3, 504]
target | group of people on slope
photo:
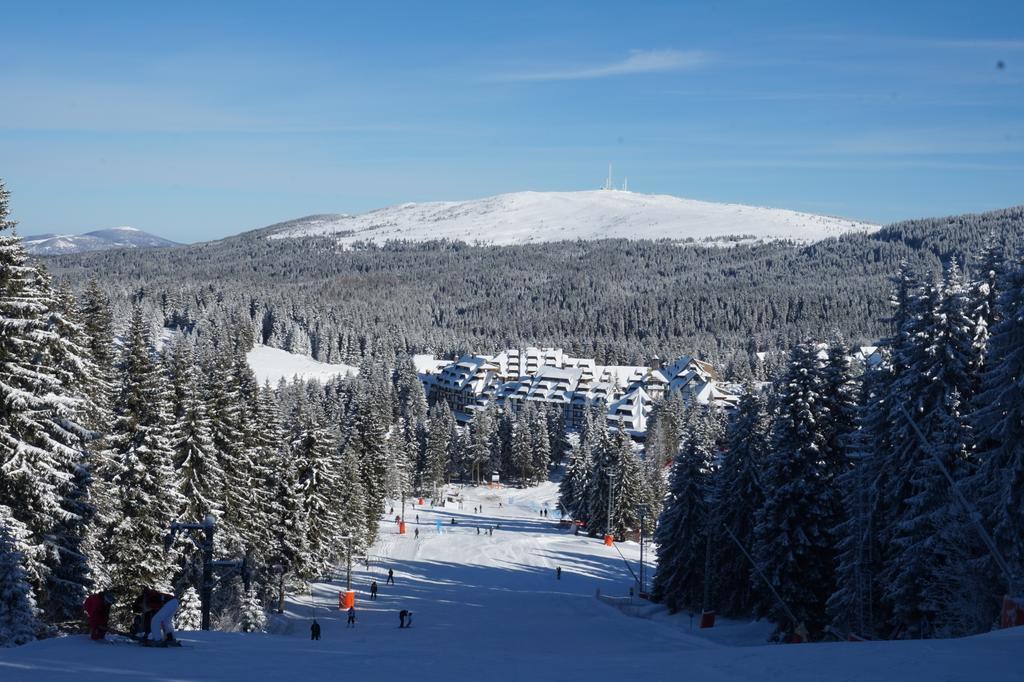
[153, 615]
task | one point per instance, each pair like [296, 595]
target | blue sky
[200, 120]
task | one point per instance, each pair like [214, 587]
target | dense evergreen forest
[617, 301]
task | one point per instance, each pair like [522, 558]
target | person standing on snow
[314, 630]
[97, 607]
[373, 590]
[351, 617]
[391, 577]
[402, 615]
[416, 532]
[558, 573]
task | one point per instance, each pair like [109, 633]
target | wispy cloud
[637, 62]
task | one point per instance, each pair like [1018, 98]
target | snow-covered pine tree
[189, 616]
[412, 400]
[40, 442]
[794, 541]
[137, 466]
[856, 606]
[936, 373]
[287, 548]
[681, 536]
[317, 455]
[738, 495]
[367, 425]
[19, 622]
[483, 443]
[630, 488]
[69, 577]
[540, 458]
[558, 438]
[251, 616]
[199, 474]
[602, 471]
[439, 438]
[998, 420]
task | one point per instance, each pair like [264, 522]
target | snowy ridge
[97, 240]
[525, 217]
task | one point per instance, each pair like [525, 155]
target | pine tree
[317, 454]
[998, 420]
[630, 488]
[19, 623]
[251, 616]
[794, 536]
[189, 615]
[738, 495]
[199, 474]
[40, 441]
[439, 438]
[541, 455]
[142, 496]
[681, 536]
[938, 364]
[856, 604]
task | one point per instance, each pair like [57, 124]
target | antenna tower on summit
[608, 182]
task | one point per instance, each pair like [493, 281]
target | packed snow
[274, 364]
[525, 217]
[490, 606]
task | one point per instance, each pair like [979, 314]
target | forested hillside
[618, 301]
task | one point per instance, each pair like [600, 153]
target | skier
[416, 532]
[558, 573]
[417, 519]
[391, 577]
[401, 618]
[314, 630]
[373, 590]
[478, 530]
[351, 617]
[158, 609]
[97, 607]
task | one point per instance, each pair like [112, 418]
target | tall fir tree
[141, 497]
[794, 540]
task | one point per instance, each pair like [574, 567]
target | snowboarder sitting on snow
[351, 617]
[97, 608]
[314, 630]
[157, 609]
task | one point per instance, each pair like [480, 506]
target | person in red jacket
[97, 608]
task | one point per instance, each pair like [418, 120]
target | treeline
[844, 500]
[617, 301]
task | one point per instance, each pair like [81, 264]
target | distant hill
[98, 240]
[533, 217]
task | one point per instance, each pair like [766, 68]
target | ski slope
[488, 607]
[529, 217]
[274, 364]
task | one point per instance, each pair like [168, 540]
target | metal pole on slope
[974, 515]
[611, 492]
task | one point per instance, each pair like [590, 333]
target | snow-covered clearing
[489, 607]
[273, 364]
[527, 217]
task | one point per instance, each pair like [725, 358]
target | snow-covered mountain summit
[98, 240]
[525, 217]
